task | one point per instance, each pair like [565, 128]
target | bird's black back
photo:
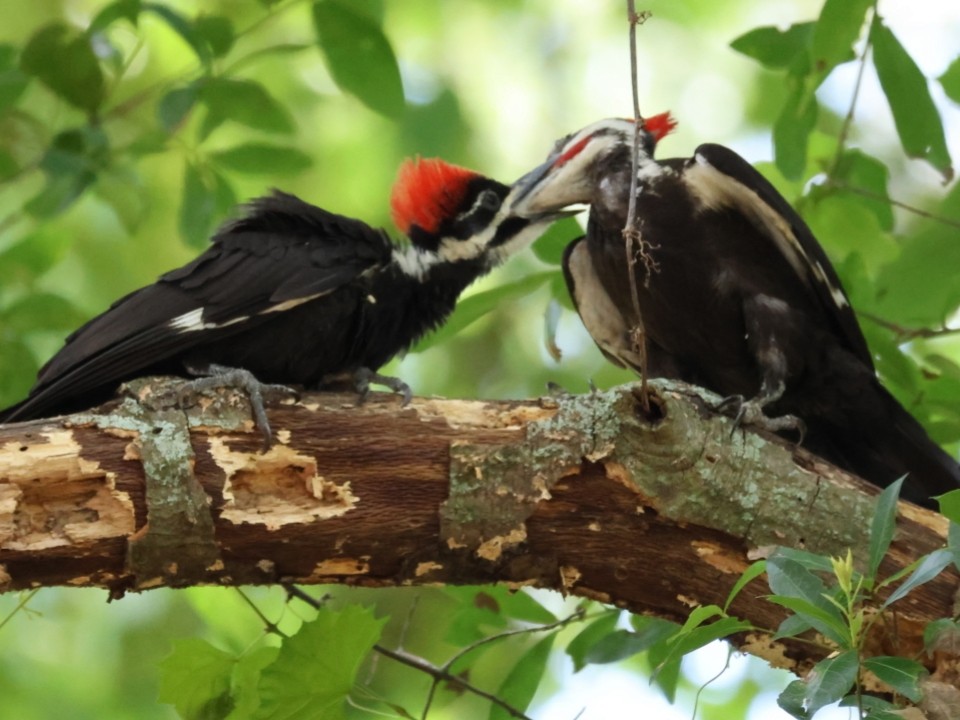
[284, 292]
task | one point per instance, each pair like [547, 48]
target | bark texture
[583, 494]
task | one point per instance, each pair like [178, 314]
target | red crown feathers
[660, 125]
[426, 192]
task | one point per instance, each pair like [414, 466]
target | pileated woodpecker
[734, 293]
[294, 294]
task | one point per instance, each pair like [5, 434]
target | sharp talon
[218, 376]
[365, 377]
[592, 385]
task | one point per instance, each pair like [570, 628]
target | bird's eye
[489, 199]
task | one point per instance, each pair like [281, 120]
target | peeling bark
[583, 494]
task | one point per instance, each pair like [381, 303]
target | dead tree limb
[583, 494]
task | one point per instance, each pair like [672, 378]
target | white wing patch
[715, 191]
[193, 321]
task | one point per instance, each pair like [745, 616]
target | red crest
[660, 125]
[426, 192]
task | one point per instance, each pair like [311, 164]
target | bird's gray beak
[525, 185]
[549, 188]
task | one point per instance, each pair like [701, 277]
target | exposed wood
[578, 493]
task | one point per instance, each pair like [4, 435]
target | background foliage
[129, 129]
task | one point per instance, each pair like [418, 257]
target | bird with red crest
[733, 293]
[292, 294]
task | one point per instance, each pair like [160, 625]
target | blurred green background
[111, 176]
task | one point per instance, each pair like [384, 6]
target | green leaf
[789, 579]
[246, 678]
[174, 106]
[217, 32]
[864, 172]
[122, 189]
[836, 31]
[914, 113]
[883, 525]
[316, 668]
[902, 674]
[33, 255]
[950, 508]
[524, 679]
[184, 28]
[19, 371]
[930, 566]
[550, 246]
[13, 81]
[262, 158]
[684, 643]
[61, 58]
[243, 101]
[696, 618]
[791, 626]
[476, 306]
[128, 10]
[792, 129]
[810, 561]
[359, 56]
[70, 164]
[590, 636]
[942, 635]
[197, 206]
[754, 571]
[42, 311]
[195, 678]
[622, 644]
[830, 680]
[950, 80]
[830, 624]
[791, 700]
[775, 48]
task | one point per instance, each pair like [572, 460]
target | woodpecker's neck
[425, 266]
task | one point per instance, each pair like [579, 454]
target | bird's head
[458, 214]
[570, 172]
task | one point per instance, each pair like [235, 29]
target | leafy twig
[442, 674]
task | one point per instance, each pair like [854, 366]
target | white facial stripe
[414, 262]
[716, 190]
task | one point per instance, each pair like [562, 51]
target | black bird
[734, 293]
[293, 294]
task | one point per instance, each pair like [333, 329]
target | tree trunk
[583, 494]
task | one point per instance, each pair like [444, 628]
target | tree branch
[582, 494]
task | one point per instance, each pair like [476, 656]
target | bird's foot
[365, 377]
[217, 376]
[750, 413]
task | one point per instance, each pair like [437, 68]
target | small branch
[902, 205]
[576, 616]
[848, 120]
[906, 333]
[439, 674]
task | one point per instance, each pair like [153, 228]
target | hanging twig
[896, 203]
[633, 239]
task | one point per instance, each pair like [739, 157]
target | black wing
[281, 253]
[798, 244]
